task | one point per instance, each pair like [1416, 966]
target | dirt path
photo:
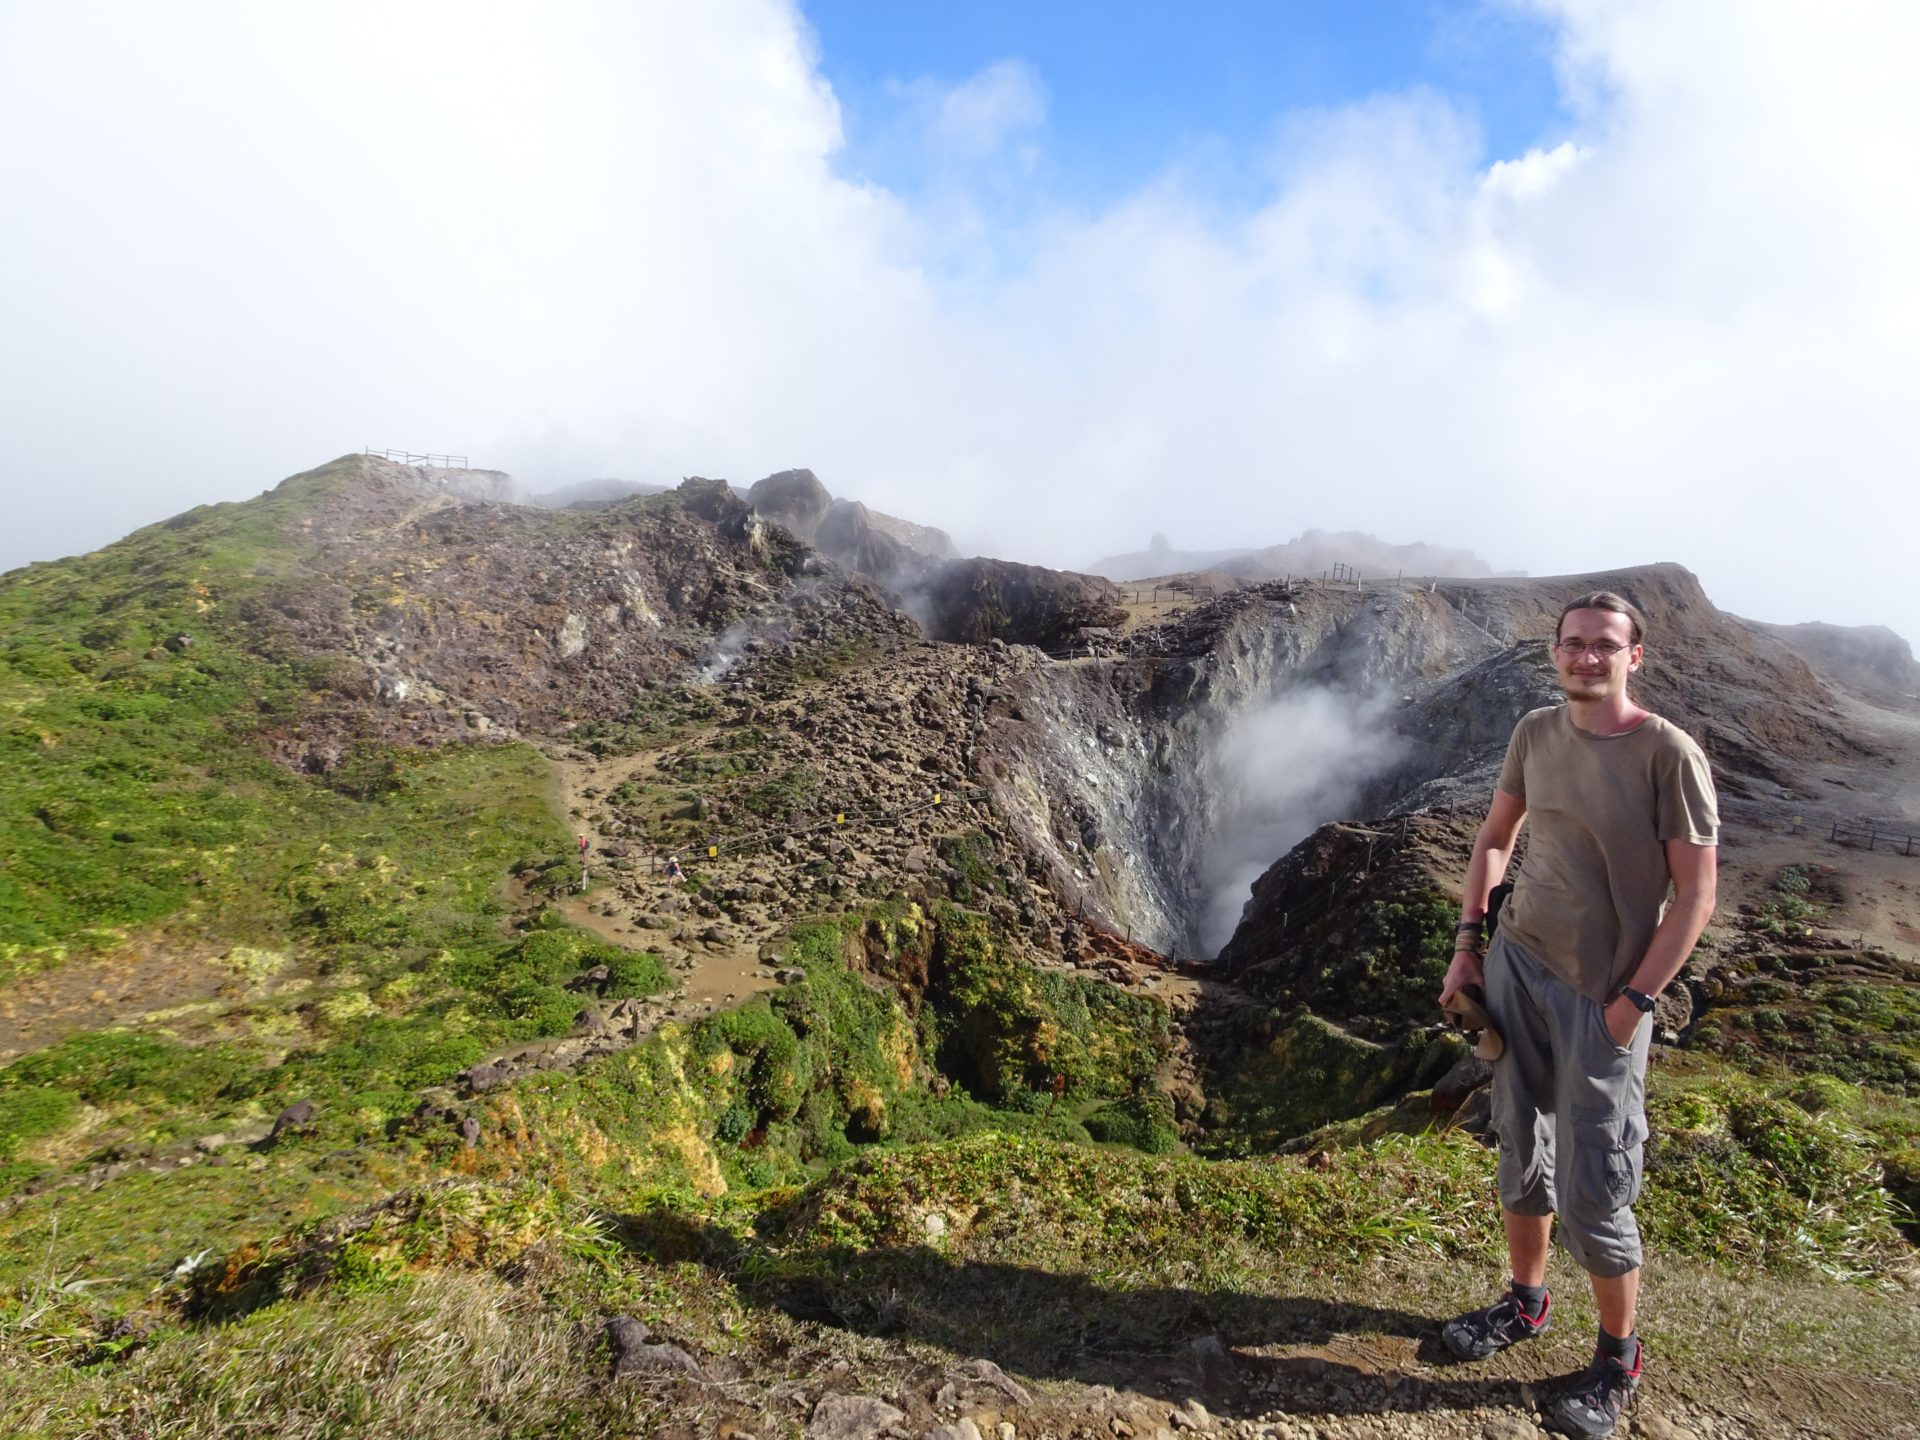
[626, 888]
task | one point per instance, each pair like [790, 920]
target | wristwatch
[1640, 998]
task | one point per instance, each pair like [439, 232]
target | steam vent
[713, 960]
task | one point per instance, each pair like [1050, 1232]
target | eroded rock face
[1124, 774]
[1868, 658]
[892, 552]
[459, 621]
[978, 600]
[792, 499]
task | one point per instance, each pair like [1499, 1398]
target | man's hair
[1604, 600]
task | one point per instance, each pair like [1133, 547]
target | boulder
[851, 1417]
[634, 1355]
[295, 1117]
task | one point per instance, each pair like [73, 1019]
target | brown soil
[713, 976]
[150, 978]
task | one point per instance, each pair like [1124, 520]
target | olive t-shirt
[1599, 811]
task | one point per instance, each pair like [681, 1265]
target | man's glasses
[1574, 649]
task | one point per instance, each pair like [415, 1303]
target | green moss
[974, 860]
[1858, 1031]
[1279, 1074]
[29, 1111]
[1018, 1036]
[781, 797]
[118, 1066]
[1140, 1122]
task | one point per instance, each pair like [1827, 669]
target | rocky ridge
[702, 677]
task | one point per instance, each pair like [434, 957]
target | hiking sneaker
[1600, 1396]
[1480, 1333]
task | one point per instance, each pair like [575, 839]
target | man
[1620, 804]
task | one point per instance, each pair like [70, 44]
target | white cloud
[612, 239]
[982, 114]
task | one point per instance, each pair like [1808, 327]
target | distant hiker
[1619, 803]
[674, 872]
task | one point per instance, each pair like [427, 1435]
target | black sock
[1617, 1349]
[1531, 1298]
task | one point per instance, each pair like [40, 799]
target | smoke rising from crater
[1279, 772]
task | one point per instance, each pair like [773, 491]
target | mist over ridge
[1677, 323]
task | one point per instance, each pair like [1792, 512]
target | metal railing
[407, 457]
[1873, 838]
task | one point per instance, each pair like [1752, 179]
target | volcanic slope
[295, 791]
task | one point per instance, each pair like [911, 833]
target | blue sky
[1133, 87]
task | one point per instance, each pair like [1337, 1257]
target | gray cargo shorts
[1569, 1109]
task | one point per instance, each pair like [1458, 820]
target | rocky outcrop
[1356, 921]
[892, 552]
[794, 500]
[448, 621]
[978, 600]
[1870, 659]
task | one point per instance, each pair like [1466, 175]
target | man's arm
[1695, 870]
[1492, 849]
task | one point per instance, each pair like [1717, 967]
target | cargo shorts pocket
[1604, 1036]
[1608, 1153]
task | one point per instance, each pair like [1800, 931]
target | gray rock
[851, 1417]
[597, 979]
[991, 1374]
[623, 1333]
[1453, 1088]
[633, 1355]
[1192, 1416]
[961, 1429]
[1511, 1427]
[1211, 1363]
[294, 1117]
[1476, 1115]
[487, 1075]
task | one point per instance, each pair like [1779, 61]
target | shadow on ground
[1241, 1354]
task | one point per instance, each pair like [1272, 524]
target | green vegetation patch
[1803, 1176]
[1021, 1037]
[1863, 1031]
[1737, 1174]
[975, 862]
[813, 1074]
[1104, 1212]
[28, 1112]
[139, 688]
[1276, 1075]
